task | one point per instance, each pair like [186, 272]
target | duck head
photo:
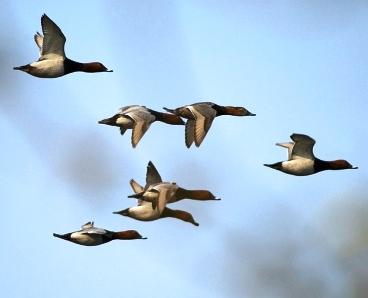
[128, 235]
[238, 111]
[95, 67]
[341, 164]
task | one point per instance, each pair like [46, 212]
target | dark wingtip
[267, 165]
[196, 224]
[109, 70]
[355, 168]
[143, 238]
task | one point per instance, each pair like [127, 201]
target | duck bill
[251, 114]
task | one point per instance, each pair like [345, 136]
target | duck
[139, 118]
[158, 191]
[301, 160]
[200, 117]
[145, 212]
[90, 235]
[52, 62]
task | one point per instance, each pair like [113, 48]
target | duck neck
[167, 118]
[323, 165]
[223, 110]
[73, 66]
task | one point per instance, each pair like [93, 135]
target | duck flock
[153, 198]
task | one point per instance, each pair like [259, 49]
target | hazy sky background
[301, 66]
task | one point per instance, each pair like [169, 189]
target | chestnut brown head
[341, 164]
[239, 111]
[95, 67]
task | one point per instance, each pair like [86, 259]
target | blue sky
[300, 66]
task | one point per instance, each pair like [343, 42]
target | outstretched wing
[303, 147]
[142, 121]
[39, 41]
[204, 116]
[87, 225]
[136, 186]
[53, 39]
[289, 146]
[152, 175]
[189, 132]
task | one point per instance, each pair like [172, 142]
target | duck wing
[152, 175]
[204, 116]
[289, 146]
[88, 225]
[162, 199]
[125, 109]
[38, 38]
[53, 40]
[303, 147]
[142, 121]
[137, 188]
[189, 132]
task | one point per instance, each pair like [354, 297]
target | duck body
[200, 117]
[92, 236]
[301, 160]
[139, 119]
[52, 62]
[154, 197]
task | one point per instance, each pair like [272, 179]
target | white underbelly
[125, 122]
[86, 239]
[48, 68]
[298, 167]
[146, 213]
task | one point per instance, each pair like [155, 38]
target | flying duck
[200, 117]
[301, 160]
[145, 212]
[139, 118]
[52, 62]
[89, 235]
[156, 190]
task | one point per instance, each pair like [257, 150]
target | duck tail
[22, 68]
[64, 237]
[276, 166]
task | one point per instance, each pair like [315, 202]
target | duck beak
[251, 114]
[354, 168]
[109, 70]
